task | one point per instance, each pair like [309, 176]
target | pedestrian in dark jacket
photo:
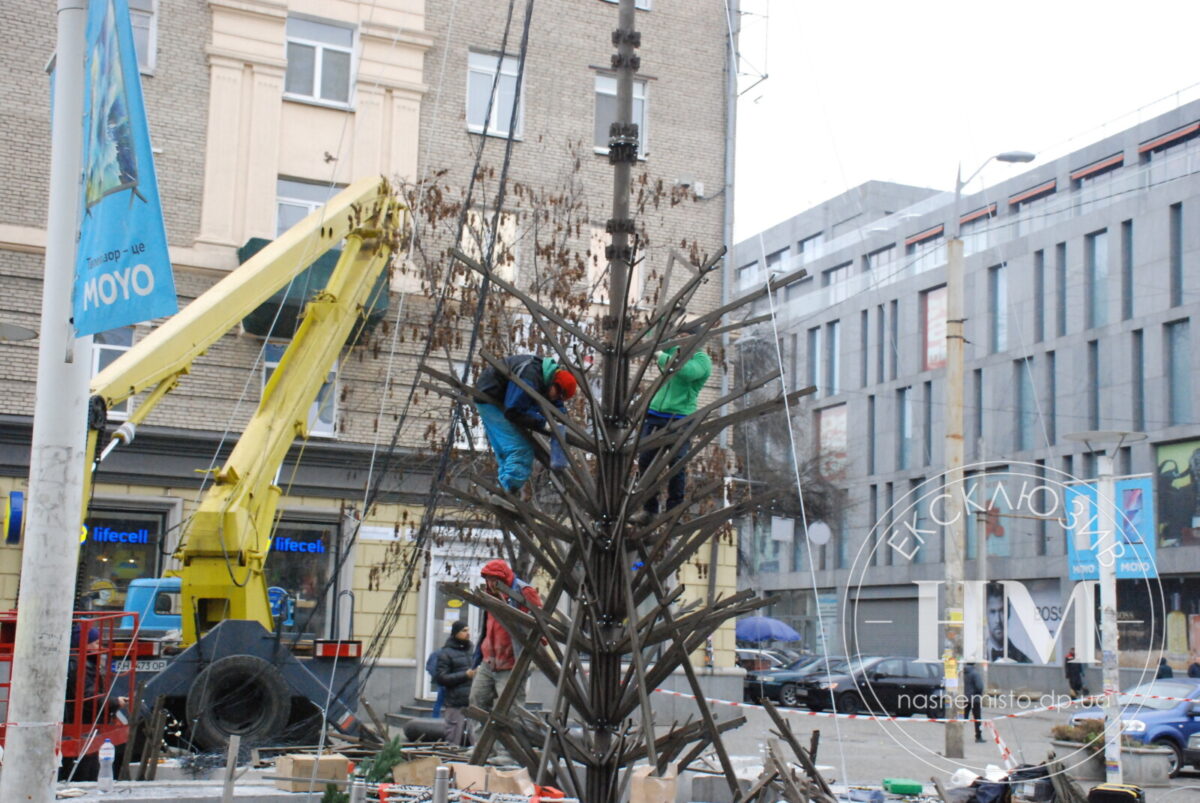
[1164, 670]
[973, 688]
[1194, 667]
[454, 674]
[1074, 671]
[511, 409]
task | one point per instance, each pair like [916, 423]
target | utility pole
[1106, 507]
[956, 530]
[955, 379]
[50, 547]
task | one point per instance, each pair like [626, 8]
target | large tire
[848, 703]
[240, 694]
[788, 696]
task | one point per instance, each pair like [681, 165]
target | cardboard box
[492, 780]
[470, 776]
[418, 772]
[510, 782]
[646, 789]
[331, 767]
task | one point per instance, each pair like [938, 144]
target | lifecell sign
[110, 535]
[292, 545]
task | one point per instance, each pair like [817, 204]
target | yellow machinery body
[223, 547]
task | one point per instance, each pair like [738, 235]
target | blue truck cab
[156, 603]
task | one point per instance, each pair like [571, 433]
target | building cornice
[264, 8]
[390, 34]
[32, 240]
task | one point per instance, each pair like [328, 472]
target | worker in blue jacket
[509, 410]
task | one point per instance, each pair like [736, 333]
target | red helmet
[565, 381]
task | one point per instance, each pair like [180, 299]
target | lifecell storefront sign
[122, 264]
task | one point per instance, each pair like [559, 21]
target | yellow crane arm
[223, 546]
[169, 350]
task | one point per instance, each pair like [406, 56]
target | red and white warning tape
[830, 714]
[1005, 754]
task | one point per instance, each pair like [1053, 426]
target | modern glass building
[1082, 288]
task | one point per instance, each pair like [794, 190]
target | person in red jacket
[497, 653]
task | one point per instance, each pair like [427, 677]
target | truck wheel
[240, 694]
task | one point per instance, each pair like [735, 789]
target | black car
[784, 684]
[891, 684]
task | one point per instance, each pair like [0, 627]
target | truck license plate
[148, 665]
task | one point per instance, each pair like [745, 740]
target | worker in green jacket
[676, 399]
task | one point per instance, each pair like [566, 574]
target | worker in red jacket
[497, 653]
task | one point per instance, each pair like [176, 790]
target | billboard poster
[1134, 552]
[832, 436]
[122, 264]
[934, 304]
[1178, 492]
[1009, 636]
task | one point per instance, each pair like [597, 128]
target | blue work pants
[513, 451]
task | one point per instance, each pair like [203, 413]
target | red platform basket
[90, 712]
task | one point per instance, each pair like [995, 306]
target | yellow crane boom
[224, 545]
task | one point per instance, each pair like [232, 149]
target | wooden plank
[802, 756]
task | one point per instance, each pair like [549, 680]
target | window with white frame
[477, 238]
[606, 112]
[106, 347]
[322, 416]
[481, 78]
[144, 21]
[318, 61]
[296, 200]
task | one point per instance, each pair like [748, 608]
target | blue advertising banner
[1134, 551]
[122, 266]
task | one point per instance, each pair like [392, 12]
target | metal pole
[608, 561]
[956, 530]
[56, 462]
[1106, 558]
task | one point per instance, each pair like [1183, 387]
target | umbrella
[764, 628]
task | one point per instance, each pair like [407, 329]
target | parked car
[754, 660]
[784, 685]
[788, 655]
[1164, 722]
[1191, 751]
[892, 684]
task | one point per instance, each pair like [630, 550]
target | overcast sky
[866, 89]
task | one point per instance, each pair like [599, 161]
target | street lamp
[956, 534]
[1007, 156]
[12, 332]
[1105, 549]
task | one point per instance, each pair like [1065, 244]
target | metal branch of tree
[613, 627]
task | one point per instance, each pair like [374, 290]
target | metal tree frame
[628, 623]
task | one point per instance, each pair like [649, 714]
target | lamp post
[1105, 549]
[956, 533]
